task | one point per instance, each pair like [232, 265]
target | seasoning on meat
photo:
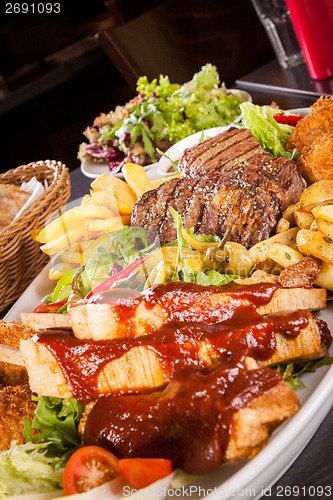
[230, 184]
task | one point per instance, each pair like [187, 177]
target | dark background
[55, 76]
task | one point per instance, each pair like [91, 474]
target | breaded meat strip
[10, 335]
[15, 403]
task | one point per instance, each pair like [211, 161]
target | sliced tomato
[89, 467]
[141, 472]
[50, 308]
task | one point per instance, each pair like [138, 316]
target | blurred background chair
[178, 37]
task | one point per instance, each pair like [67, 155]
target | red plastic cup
[313, 22]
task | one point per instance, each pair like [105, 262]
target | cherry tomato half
[141, 472]
[89, 467]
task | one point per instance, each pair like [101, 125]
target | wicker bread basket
[20, 257]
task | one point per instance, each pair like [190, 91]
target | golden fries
[137, 178]
[259, 252]
[319, 193]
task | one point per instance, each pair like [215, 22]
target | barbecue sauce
[177, 344]
[178, 301]
[189, 422]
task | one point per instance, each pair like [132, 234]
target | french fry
[125, 219]
[325, 227]
[65, 241]
[289, 211]
[315, 243]
[104, 198]
[325, 276]
[87, 200]
[92, 212]
[124, 208]
[303, 219]
[319, 193]
[324, 212]
[283, 254]
[137, 178]
[59, 227]
[121, 190]
[105, 225]
[34, 233]
[157, 182]
[259, 251]
[282, 225]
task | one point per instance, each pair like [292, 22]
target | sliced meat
[182, 193]
[233, 144]
[302, 274]
[150, 209]
[231, 186]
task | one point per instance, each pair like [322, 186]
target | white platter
[92, 169]
[285, 444]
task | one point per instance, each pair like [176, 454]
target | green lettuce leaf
[292, 372]
[272, 136]
[56, 422]
[169, 111]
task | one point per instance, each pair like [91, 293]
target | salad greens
[26, 468]
[56, 422]
[108, 254]
[271, 135]
[38, 465]
[292, 372]
[162, 113]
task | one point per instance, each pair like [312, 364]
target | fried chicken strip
[15, 403]
[10, 335]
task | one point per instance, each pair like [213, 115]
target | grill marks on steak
[230, 184]
[221, 150]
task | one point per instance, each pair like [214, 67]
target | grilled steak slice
[233, 187]
[223, 149]
[246, 203]
[149, 210]
[181, 195]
